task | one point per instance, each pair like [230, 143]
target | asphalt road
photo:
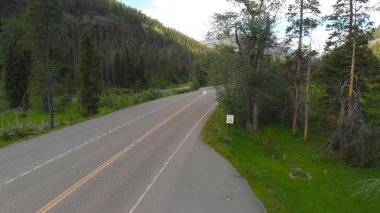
[148, 158]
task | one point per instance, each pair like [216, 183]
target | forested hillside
[63, 54]
[153, 53]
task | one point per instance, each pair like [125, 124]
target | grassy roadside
[266, 158]
[19, 125]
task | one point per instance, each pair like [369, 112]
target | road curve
[147, 158]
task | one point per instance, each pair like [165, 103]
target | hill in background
[157, 54]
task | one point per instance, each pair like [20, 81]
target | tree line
[336, 91]
[53, 48]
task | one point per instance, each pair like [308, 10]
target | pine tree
[129, 69]
[348, 16]
[353, 139]
[303, 18]
[44, 21]
[120, 69]
[15, 75]
[89, 74]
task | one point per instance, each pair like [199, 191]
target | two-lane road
[148, 158]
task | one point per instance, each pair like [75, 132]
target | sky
[192, 17]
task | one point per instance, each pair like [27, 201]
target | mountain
[157, 53]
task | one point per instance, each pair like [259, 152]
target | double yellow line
[92, 174]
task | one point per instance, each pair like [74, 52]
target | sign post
[229, 121]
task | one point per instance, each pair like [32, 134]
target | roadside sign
[230, 119]
[204, 92]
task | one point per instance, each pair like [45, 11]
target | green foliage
[335, 70]
[342, 22]
[272, 84]
[253, 30]
[5, 135]
[44, 26]
[16, 69]
[201, 65]
[376, 50]
[265, 159]
[89, 75]
[33, 123]
[195, 84]
[69, 84]
[15, 76]
[123, 69]
[376, 33]
[61, 103]
[309, 20]
[166, 53]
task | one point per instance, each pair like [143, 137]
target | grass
[265, 159]
[19, 125]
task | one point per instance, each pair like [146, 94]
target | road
[147, 158]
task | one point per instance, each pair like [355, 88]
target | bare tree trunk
[50, 105]
[352, 82]
[298, 74]
[351, 21]
[49, 89]
[248, 116]
[308, 97]
[308, 93]
[255, 115]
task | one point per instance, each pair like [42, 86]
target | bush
[5, 135]
[18, 132]
[151, 95]
[195, 84]
[61, 103]
[108, 100]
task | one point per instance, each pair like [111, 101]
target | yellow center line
[92, 174]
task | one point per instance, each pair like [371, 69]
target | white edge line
[167, 162]
[10, 180]
[25, 173]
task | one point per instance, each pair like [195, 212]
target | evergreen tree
[353, 139]
[140, 73]
[129, 69]
[335, 66]
[44, 21]
[349, 16]
[15, 75]
[16, 64]
[303, 18]
[120, 69]
[89, 74]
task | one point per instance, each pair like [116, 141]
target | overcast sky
[192, 17]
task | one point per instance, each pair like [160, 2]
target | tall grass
[266, 158]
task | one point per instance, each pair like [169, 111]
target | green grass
[265, 158]
[19, 125]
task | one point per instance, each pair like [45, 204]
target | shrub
[61, 103]
[195, 84]
[5, 135]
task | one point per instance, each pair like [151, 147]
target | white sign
[230, 119]
[204, 92]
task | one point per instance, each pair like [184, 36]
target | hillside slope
[157, 53]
